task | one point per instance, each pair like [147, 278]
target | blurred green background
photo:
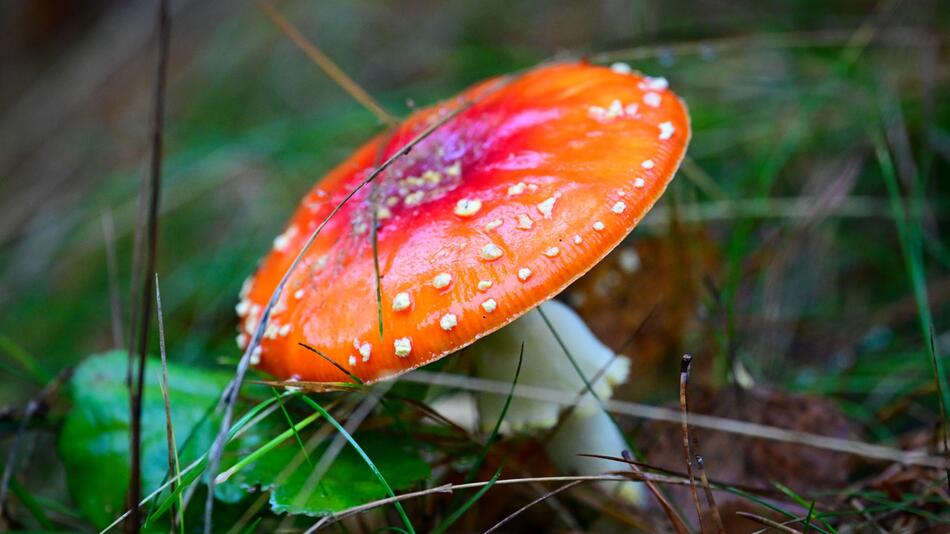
[785, 185]
[801, 274]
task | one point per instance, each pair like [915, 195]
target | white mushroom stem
[588, 429]
[595, 434]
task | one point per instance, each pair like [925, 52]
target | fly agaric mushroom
[491, 215]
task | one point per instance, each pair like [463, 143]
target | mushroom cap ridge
[495, 212]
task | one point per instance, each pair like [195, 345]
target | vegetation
[797, 258]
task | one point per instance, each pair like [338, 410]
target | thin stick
[856, 503]
[684, 421]
[327, 64]
[374, 232]
[720, 424]
[356, 380]
[309, 387]
[675, 520]
[428, 411]
[330, 519]
[544, 497]
[449, 488]
[700, 463]
[710, 499]
[231, 394]
[173, 466]
[714, 484]
[768, 522]
[153, 193]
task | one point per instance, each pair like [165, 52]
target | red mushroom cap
[495, 212]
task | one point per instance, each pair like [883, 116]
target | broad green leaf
[95, 439]
[348, 481]
[95, 446]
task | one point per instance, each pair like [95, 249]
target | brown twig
[543, 497]
[684, 415]
[856, 504]
[714, 484]
[326, 64]
[710, 499]
[700, 463]
[428, 411]
[330, 519]
[309, 387]
[675, 520]
[768, 522]
[152, 193]
[355, 379]
[449, 488]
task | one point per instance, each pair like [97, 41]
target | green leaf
[95, 439]
[347, 482]
[95, 446]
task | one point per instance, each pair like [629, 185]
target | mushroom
[487, 218]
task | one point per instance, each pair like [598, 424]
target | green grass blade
[480, 459]
[265, 448]
[810, 505]
[252, 527]
[31, 504]
[909, 235]
[25, 360]
[369, 462]
[766, 504]
[290, 422]
[811, 511]
[449, 521]
[191, 473]
[587, 384]
[374, 238]
[501, 417]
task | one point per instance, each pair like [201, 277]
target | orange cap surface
[495, 212]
